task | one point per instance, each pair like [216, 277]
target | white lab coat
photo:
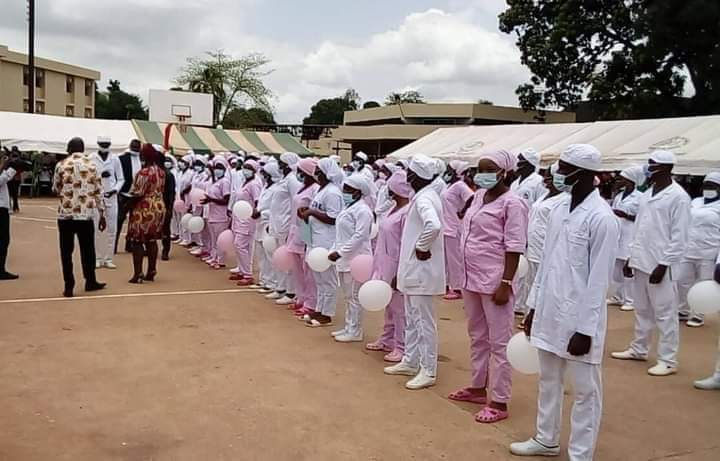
[105, 241]
[537, 225]
[423, 231]
[112, 165]
[530, 189]
[661, 229]
[704, 230]
[352, 234]
[568, 295]
[281, 207]
[329, 201]
[628, 205]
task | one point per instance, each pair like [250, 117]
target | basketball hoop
[183, 113]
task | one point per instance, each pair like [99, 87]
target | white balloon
[522, 355]
[523, 267]
[375, 295]
[242, 210]
[704, 297]
[374, 231]
[269, 244]
[317, 259]
[196, 224]
[185, 220]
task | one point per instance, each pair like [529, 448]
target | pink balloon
[225, 241]
[361, 268]
[282, 259]
[179, 206]
[196, 196]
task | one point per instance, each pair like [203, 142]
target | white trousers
[586, 410]
[421, 340]
[327, 286]
[692, 271]
[353, 311]
[717, 362]
[655, 305]
[175, 223]
[620, 287]
[105, 241]
[267, 275]
[525, 286]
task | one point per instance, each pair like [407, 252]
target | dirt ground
[183, 369]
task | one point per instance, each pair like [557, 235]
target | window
[69, 111]
[39, 78]
[26, 75]
[69, 84]
[88, 113]
[89, 87]
[26, 106]
[39, 107]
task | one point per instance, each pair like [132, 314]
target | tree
[631, 58]
[232, 82]
[370, 105]
[332, 111]
[485, 102]
[240, 117]
[406, 97]
[116, 104]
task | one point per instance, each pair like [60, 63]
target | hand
[334, 256]
[658, 274]
[205, 201]
[105, 174]
[301, 212]
[256, 214]
[502, 294]
[393, 283]
[620, 214]
[527, 322]
[579, 344]
[110, 194]
[627, 270]
[422, 255]
[102, 225]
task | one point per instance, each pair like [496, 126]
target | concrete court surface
[199, 373]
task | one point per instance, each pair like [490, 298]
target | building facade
[60, 89]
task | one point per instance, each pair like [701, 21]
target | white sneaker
[346, 338]
[402, 369]
[110, 265]
[421, 381]
[662, 369]
[265, 290]
[627, 308]
[98, 264]
[695, 322]
[285, 301]
[613, 302]
[338, 332]
[708, 384]
[183, 243]
[273, 295]
[628, 354]
[235, 270]
[533, 448]
[196, 251]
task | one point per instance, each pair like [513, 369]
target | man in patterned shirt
[80, 190]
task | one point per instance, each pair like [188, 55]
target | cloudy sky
[450, 50]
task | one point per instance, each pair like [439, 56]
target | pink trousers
[214, 230]
[490, 328]
[453, 263]
[305, 289]
[393, 335]
[244, 252]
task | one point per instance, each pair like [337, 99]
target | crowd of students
[461, 230]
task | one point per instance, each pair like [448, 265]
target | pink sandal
[466, 395]
[489, 415]
[377, 346]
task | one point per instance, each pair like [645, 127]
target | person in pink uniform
[244, 229]
[200, 181]
[453, 200]
[494, 236]
[386, 261]
[218, 197]
[299, 238]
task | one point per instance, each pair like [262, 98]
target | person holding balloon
[187, 173]
[494, 235]
[703, 245]
[217, 199]
[243, 228]
[322, 214]
[567, 322]
[268, 276]
[712, 383]
[421, 274]
[352, 239]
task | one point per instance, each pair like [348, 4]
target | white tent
[49, 133]
[695, 140]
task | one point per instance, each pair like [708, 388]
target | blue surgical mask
[486, 180]
[447, 177]
[348, 199]
[710, 194]
[300, 176]
[559, 182]
[219, 173]
[248, 173]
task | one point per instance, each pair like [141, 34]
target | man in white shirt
[529, 185]
[661, 231]
[110, 170]
[6, 175]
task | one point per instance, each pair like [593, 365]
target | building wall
[11, 87]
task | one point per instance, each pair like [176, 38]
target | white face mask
[198, 168]
[168, 165]
[219, 173]
[104, 150]
[248, 173]
[710, 194]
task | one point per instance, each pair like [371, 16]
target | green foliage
[406, 97]
[240, 117]
[332, 111]
[233, 82]
[629, 57]
[371, 104]
[116, 104]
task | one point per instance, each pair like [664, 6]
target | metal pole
[31, 56]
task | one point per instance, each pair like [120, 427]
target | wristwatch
[506, 282]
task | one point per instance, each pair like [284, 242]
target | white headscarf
[583, 156]
[359, 182]
[273, 170]
[635, 174]
[713, 177]
[290, 159]
[423, 166]
[532, 156]
[331, 170]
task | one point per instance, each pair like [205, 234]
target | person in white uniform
[352, 238]
[268, 275]
[529, 185]
[703, 246]
[421, 274]
[661, 231]
[568, 318]
[712, 383]
[625, 207]
[111, 172]
[359, 164]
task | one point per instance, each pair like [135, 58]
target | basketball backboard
[181, 106]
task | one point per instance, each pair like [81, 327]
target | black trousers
[14, 189]
[4, 237]
[123, 211]
[85, 232]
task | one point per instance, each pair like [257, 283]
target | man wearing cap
[661, 234]
[130, 163]
[111, 174]
[567, 321]
[421, 275]
[529, 184]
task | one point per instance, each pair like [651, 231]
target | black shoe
[165, 257]
[8, 276]
[68, 293]
[95, 286]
